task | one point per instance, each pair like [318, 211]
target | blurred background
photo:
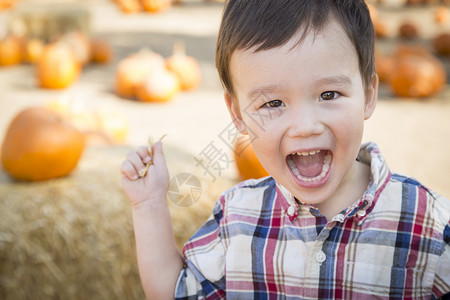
[84, 82]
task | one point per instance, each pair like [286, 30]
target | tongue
[309, 165]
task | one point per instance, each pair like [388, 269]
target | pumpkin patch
[148, 77]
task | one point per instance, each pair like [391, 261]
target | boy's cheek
[264, 121]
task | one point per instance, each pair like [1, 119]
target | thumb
[158, 155]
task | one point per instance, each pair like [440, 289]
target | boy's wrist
[153, 203]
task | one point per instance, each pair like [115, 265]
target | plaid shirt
[393, 243]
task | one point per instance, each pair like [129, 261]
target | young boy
[331, 222]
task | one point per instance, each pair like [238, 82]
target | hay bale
[72, 238]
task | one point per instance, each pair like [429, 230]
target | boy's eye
[329, 95]
[273, 103]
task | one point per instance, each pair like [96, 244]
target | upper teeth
[308, 153]
[325, 168]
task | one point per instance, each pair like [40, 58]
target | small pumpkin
[132, 70]
[185, 67]
[101, 52]
[441, 44]
[11, 51]
[247, 163]
[155, 6]
[442, 15]
[159, 86]
[416, 74]
[408, 30]
[57, 67]
[40, 145]
[33, 50]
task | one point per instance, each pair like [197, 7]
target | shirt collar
[369, 154]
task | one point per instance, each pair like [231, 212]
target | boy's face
[304, 108]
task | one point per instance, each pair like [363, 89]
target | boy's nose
[305, 121]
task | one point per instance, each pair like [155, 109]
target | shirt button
[291, 210]
[321, 257]
[361, 213]
[340, 217]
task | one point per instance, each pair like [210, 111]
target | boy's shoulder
[249, 192]
[250, 186]
[415, 198]
[403, 179]
[408, 183]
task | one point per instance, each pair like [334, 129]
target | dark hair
[267, 24]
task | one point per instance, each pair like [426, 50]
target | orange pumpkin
[416, 74]
[186, 68]
[156, 5]
[247, 163]
[11, 51]
[40, 145]
[132, 70]
[160, 86]
[101, 52]
[57, 67]
[33, 50]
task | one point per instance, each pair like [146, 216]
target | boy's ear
[235, 114]
[371, 97]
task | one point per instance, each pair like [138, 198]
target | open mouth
[310, 167]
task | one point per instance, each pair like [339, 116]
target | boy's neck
[348, 194]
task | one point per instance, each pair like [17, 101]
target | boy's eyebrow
[340, 80]
[261, 91]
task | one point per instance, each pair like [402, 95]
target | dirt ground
[413, 135]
